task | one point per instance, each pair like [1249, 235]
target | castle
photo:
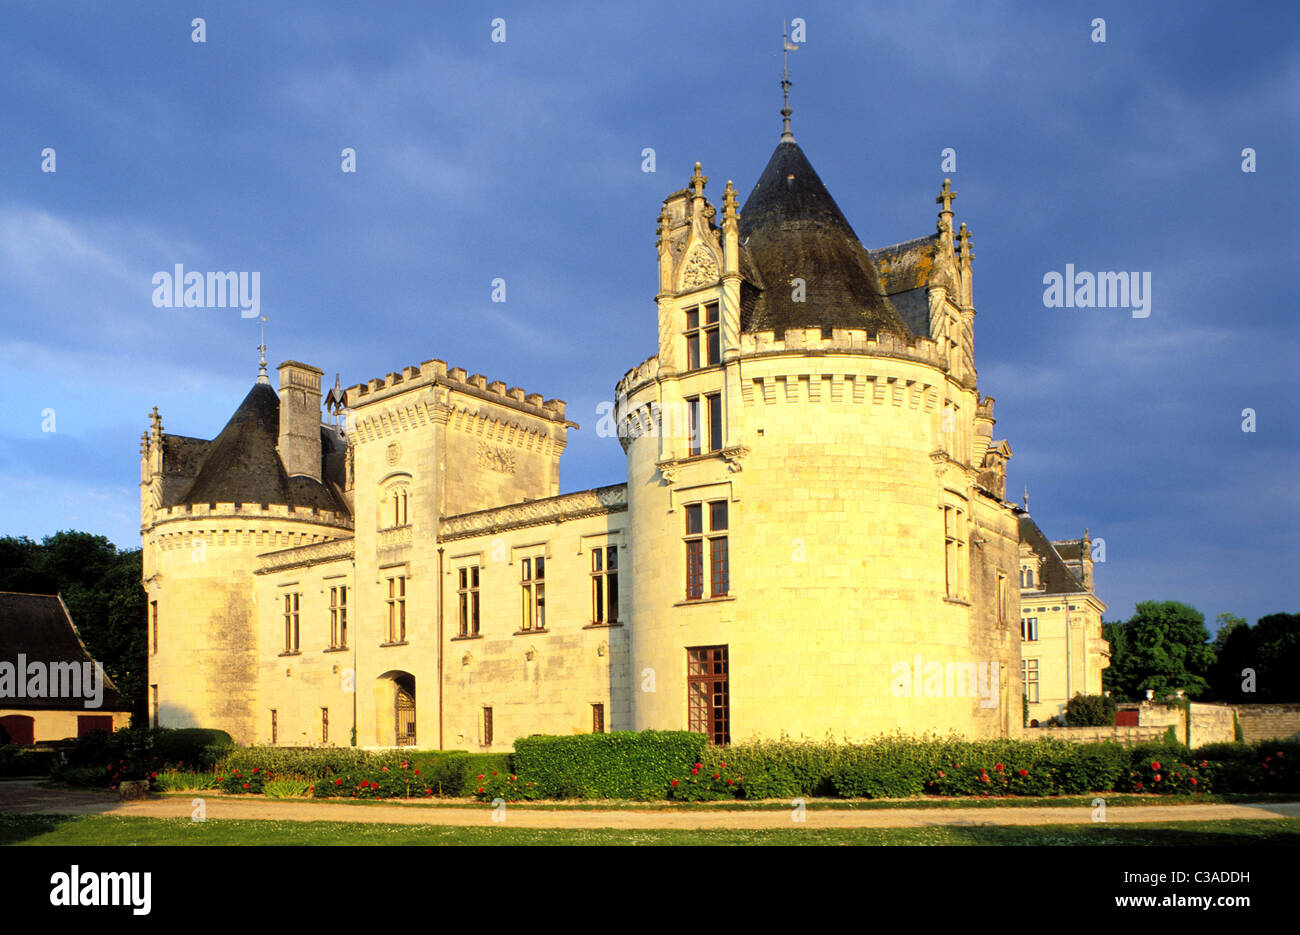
[812, 538]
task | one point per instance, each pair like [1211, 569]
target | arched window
[394, 504]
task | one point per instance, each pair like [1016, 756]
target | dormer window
[703, 337]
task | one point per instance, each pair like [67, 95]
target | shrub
[287, 787]
[239, 782]
[778, 769]
[1091, 711]
[193, 746]
[621, 765]
[888, 767]
[174, 780]
[17, 761]
[707, 784]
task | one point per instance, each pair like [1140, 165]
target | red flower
[1022, 773]
[1205, 763]
[417, 772]
[153, 775]
[480, 776]
[1157, 777]
[1193, 780]
[338, 782]
[1138, 786]
[715, 776]
[998, 767]
[1279, 755]
[674, 783]
[724, 765]
[984, 777]
[940, 774]
[694, 771]
[728, 782]
[254, 769]
[699, 766]
[404, 766]
[1155, 765]
[494, 772]
[480, 790]
[384, 768]
[245, 785]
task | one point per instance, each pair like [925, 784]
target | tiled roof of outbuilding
[38, 626]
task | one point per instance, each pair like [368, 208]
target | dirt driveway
[29, 796]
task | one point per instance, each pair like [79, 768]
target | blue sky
[522, 160]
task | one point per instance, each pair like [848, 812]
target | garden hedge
[619, 765]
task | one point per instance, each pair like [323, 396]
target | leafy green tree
[1265, 658]
[101, 586]
[1163, 647]
[1226, 623]
[1090, 711]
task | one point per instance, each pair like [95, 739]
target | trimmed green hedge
[198, 747]
[620, 765]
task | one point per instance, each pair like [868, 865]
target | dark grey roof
[242, 465]
[38, 626]
[1056, 576]
[792, 228]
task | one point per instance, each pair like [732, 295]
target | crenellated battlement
[842, 341]
[250, 511]
[436, 373]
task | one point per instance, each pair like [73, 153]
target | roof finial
[786, 48]
[1026, 500]
[261, 364]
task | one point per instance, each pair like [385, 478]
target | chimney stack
[300, 421]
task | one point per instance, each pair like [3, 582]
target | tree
[1225, 624]
[105, 598]
[1164, 647]
[1260, 663]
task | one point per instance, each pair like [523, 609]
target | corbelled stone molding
[306, 555]
[568, 506]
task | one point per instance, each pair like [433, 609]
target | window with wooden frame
[291, 608]
[604, 584]
[708, 695]
[703, 336]
[324, 725]
[396, 602]
[468, 598]
[487, 727]
[1003, 592]
[533, 592]
[1029, 629]
[712, 541]
[704, 423]
[153, 623]
[275, 727]
[339, 616]
[598, 719]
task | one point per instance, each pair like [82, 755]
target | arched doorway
[396, 709]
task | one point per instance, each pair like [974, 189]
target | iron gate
[405, 708]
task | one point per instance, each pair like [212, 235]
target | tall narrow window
[712, 337]
[153, 620]
[703, 337]
[397, 609]
[953, 564]
[708, 701]
[291, 605]
[598, 719]
[692, 339]
[1029, 629]
[275, 727]
[694, 552]
[533, 588]
[1002, 599]
[693, 425]
[468, 595]
[1029, 676]
[324, 725]
[153, 705]
[604, 584]
[715, 421]
[339, 617]
[487, 727]
[714, 541]
[719, 563]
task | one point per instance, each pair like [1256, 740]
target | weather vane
[786, 48]
[261, 365]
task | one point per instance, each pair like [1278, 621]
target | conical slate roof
[243, 465]
[792, 228]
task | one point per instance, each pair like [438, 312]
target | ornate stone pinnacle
[729, 200]
[946, 195]
[698, 181]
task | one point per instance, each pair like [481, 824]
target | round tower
[818, 545]
[208, 510]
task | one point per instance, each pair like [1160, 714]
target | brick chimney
[300, 421]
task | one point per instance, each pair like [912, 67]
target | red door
[88, 722]
[18, 728]
[1126, 718]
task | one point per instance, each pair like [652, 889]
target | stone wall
[1268, 721]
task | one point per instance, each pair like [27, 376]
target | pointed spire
[946, 195]
[1026, 499]
[786, 49]
[963, 239]
[261, 364]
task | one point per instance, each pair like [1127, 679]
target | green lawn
[111, 830]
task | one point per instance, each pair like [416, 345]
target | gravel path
[27, 796]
